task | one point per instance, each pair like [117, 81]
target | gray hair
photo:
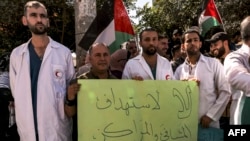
[35, 4]
[245, 29]
[96, 44]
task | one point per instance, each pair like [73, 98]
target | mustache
[215, 49]
[39, 23]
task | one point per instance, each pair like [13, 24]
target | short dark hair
[132, 40]
[187, 32]
[175, 48]
[147, 29]
[35, 4]
[237, 33]
[162, 36]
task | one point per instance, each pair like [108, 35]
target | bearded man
[149, 64]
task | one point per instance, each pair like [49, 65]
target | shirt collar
[51, 44]
[96, 77]
[201, 59]
[246, 48]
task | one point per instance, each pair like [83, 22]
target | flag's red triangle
[121, 18]
[211, 10]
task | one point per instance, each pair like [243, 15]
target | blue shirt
[35, 64]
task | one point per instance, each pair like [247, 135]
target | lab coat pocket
[59, 80]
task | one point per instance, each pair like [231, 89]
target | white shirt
[55, 73]
[237, 70]
[214, 91]
[137, 66]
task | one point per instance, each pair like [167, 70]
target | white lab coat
[214, 91]
[137, 66]
[55, 73]
[237, 70]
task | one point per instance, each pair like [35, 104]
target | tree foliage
[129, 5]
[233, 12]
[167, 15]
[62, 22]
[13, 33]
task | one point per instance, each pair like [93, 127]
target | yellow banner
[128, 110]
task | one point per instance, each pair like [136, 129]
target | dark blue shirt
[35, 64]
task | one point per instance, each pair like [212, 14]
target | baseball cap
[218, 36]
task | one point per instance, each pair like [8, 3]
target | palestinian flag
[209, 17]
[111, 26]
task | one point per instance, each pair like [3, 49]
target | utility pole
[85, 12]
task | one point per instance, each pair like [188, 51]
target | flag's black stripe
[204, 5]
[105, 14]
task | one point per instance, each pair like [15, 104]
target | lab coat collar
[146, 67]
[51, 44]
[245, 48]
[201, 59]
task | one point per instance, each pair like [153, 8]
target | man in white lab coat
[237, 69]
[149, 64]
[214, 91]
[40, 71]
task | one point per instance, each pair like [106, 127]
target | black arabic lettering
[186, 109]
[146, 129]
[147, 132]
[125, 108]
[164, 134]
[135, 125]
[156, 100]
[108, 102]
[187, 131]
[94, 136]
[151, 127]
[128, 105]
[107, 132]
[156, 137]
[101, 106]
[140, 107]
[182, 133]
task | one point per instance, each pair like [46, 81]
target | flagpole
[219, 16]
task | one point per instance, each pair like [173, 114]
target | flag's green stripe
[245, 115]
[206, 25]
[121, 37]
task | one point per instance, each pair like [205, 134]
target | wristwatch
[70, 102]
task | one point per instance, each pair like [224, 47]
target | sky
[140, 3]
